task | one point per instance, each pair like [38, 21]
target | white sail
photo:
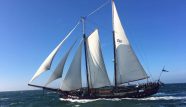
[128, 65]
[48, 61]
[73, 79]
[59, 70]
[97, 72]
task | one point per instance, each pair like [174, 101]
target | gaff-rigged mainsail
[73, 79]
[127, 64]
[98, 76]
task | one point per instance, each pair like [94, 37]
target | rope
[143, 58]
[70, 32]
[52, 54]
[99, 8]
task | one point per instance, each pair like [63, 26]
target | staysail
[127, 64]
[73, 79]
[97, 72]
[59, 70]
[48, 61]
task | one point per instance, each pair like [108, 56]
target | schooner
[127, 67]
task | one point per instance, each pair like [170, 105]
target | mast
[114, 46]
[85, 48]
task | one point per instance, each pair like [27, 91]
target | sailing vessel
[127, 68]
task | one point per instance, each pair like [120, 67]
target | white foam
[4, 99]
[160, 93]
[89, 100]
[51, 92]
[12, 104]
[77, 105]
[119, 99]
[79, 100]
[164, 98]
[167, 94]
[112, 99]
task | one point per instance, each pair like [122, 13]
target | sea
[170, 95]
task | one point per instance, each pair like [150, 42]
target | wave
[16, 103]
[119, 99]
[165, 98]
[89, 100]
[160, 93]
[79, 100]
[51, 92]
[12, 104]
[2, 99]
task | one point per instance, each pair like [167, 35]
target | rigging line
[145, 61]
[53, 53]
[71, 31]
[94, 24]
[105, 29]
[142, 55]
[65, 71]
[99, 8]
[62, 78]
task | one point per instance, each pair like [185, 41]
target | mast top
[83, 22]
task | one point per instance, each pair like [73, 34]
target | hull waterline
[137, 91]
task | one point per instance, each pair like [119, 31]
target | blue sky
[30, 30]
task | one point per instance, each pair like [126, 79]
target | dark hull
[137, 91]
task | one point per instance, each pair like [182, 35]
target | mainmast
[85, 48]
[114, 46]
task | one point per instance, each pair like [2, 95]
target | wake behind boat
[127, 67]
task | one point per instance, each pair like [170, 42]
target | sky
[31, 29]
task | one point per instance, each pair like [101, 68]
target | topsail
[46, 65]
[58, 71]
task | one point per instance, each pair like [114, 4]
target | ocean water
[171, 95]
